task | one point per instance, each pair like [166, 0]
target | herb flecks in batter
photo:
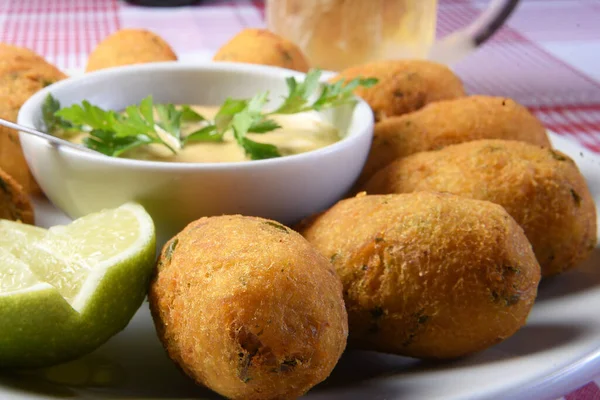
[171, 249]
[277, 226]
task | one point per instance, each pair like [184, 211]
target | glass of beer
[335, 34]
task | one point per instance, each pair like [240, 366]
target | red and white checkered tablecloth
[547, 57]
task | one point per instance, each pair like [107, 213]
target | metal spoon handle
[52, 139]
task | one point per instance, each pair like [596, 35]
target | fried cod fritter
[451, 122]
[22, 73]
[428, 275]
[248, 308]
[541, 188]
[404, 85]
[129, 46]
[260, 46]
[14, 202]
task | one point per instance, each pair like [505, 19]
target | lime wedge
[66, 290]
[16, 276]
[15, 236]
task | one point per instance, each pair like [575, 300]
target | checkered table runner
[547, 57]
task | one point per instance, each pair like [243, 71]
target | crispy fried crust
[260, 46]
[428, 275]
[404, 85]
[14, 202]
[248, 308]
[129, 46]
[451, 122]
[22, 73]
[541, 188]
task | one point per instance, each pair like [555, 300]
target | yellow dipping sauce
[299, 133]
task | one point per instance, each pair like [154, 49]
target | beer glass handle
[457, 45]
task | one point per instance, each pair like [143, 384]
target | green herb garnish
[54, 123]
[241, 123]
[114, 134]
[189, 115]
[332, 95]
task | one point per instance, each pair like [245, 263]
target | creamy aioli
[299, 133]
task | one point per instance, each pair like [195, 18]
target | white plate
[557, 351]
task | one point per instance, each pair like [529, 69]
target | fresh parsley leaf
[257, 103]
[244, 120]
[170, 119]
[263, 126]
[360, 81]
[249, 115]
[189, 115]
[114, 134]
[106, 142]
[133, 123]
[55, 125]
[310, 83]
[241, 122]
[140, 140]
[368, 82]
[336, 94]
[299, 93]
[207, 134]
[88, 115]
[226, 113]
[259, 151]
[50, 106]
[339, 93]
[136, 120]
[146, 110]
[134, 117]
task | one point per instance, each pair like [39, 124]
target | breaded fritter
[248, 308]
[260, 46]
[404, 85]
[129, 46]
[14, 202]
[428, 275]
[22, 73]
[541, 188]
[451, 122]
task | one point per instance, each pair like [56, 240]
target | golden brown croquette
[22, 73]
[129, 46]
[449, 122]
[248, 308]
[404, 85]
[428, 275]
[541, 188]
[260, 46]
[14, 202]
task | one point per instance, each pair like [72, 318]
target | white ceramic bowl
[285, 189]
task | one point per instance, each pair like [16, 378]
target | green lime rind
[40, 328]
[25, 326]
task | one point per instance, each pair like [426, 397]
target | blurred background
[546, 56]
